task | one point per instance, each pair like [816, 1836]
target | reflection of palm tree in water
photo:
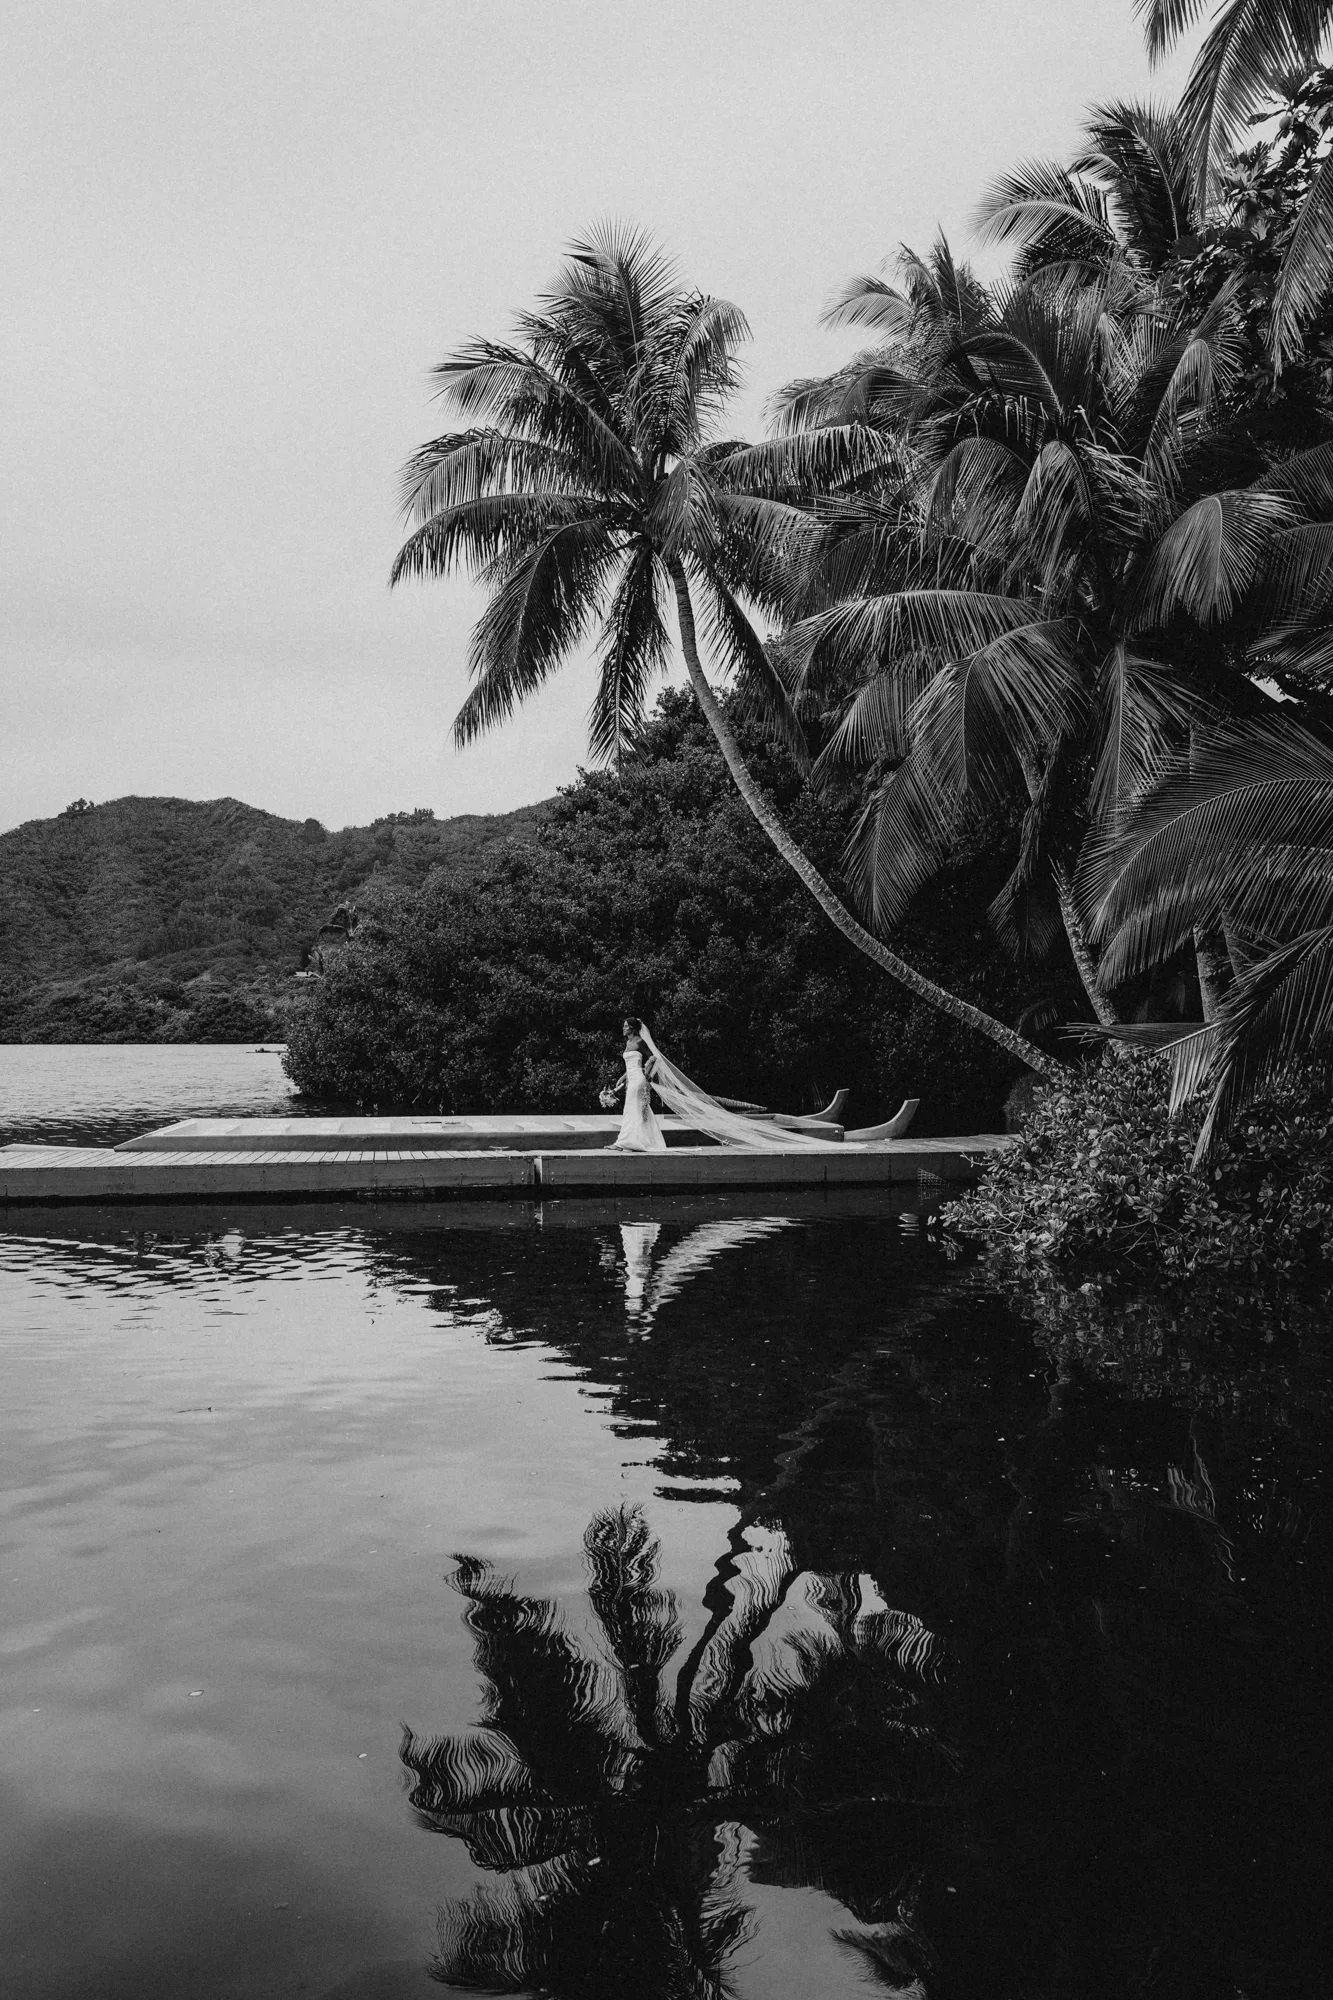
[615, 1800]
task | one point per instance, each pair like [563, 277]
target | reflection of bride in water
[650, 1281]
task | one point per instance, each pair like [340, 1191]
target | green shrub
[1102, 1179]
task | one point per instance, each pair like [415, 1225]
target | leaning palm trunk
[1081, 951]
[841, 918]
[590, 485]
[1213, 963]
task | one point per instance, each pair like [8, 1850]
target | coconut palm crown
[1075, 561]
[591, 493]
[1129, 193]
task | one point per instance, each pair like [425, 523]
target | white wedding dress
[639, 1130]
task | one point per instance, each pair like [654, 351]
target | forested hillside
[151, 919]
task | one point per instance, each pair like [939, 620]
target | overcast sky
[235, 239]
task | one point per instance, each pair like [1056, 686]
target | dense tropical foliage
[1098, 547]
[1101, 1184]
[653, 891]
[596, 491]
[1253, 50]
[1246, 833]
[1092, 531]
[1045, 572]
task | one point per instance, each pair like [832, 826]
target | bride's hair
[633, 1023]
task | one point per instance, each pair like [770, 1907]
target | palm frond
[869, 303]
[541, 610]
[683, 513]
[1183, 385]
[763, 548]
[1294, 604]
[1307, 266]
[465, 465]
[866, 547]
[819, 402]
[976, 490]
[634, 653]
[1207, 559]
[1051, 214]
[871, 630]
[801, 465]
[946, 294]
[1007, 703]
[494, 528]
[1247, 825]
[875, 724]
[491, 378]
[1278, 1013]
[1044, 347]
[689, 375]
[1165, 21]
[1146, 712]
[734, 642]
[1140, 154]
[1056, 513]
[1248, 43]
[614, 291]
[1305, 480]
[900, 842]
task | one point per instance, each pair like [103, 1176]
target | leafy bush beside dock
[1102, 1183]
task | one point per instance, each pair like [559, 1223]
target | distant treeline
[177, 920]
[654, 892]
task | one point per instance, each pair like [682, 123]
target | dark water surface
[664, 1599]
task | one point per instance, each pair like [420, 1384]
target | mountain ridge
[156, 918]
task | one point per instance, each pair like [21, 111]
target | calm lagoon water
[652, 1600]
[99, 1094]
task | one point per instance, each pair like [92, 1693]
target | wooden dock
[304, 1159]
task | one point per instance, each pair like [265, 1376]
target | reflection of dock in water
[433, 1158]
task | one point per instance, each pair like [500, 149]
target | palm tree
[915, 324]
[609, 1794]
[1253, 49]
[1128, 194]
[591, 493]
[1245, 828]
[1052, 582]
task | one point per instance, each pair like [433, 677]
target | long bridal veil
[729, 1128]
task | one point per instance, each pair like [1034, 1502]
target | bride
[706, 1118]
[639, 1130]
